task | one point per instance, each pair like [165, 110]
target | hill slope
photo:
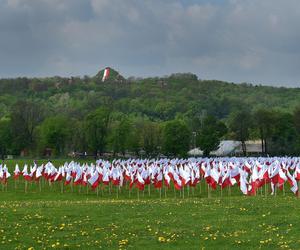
[156, 98]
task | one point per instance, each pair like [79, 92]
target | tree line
[30, 127]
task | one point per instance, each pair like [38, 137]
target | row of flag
[248, 174]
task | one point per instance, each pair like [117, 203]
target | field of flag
[266, 176]
[203, 203]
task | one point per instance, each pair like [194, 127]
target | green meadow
[52, 216]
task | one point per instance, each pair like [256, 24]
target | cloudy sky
[255, 41]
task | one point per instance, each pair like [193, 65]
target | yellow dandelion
[161, 239]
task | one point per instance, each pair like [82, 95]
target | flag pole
[265, 188]
[208, 191]
[200, 184]
[174, 190]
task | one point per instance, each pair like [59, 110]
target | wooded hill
[157, 100]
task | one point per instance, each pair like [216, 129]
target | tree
[240, 124]
[150, 137]
[296, 118]
[96, 129]
[264, 121]
[147, 134]
[284, 139]
[55, 133]
[25, 117]
[121, 136]
[134, 140]
[209, 136]
[5, 137]
[78, 136]
[296, 121]
[176, 138]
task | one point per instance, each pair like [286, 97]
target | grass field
[80, 219]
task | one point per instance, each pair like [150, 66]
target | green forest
[143, 116]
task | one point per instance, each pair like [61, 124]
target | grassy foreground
[79, 219]
[242, 223]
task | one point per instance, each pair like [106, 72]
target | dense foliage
[137, 115]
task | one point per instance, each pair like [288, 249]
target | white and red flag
[17, 172]
[94, 180]
[105, 74]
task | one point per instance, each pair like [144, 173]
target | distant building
[252, 148]
[230, 147]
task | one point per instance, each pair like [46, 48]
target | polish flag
[17, 172]
[243, 181]
[234, 173]
[177, 181]
[297, 173]
[105, 179]
[84, 180]
[140, 184]
[78, 178]
[292, 181]
[255, 183]
[25, 174]
[68, 178]
[184, 176]
[158, 181]
[212, 177]
[281, 178]
[105, 74]
[4, 175]
[226, 180]
[127, 176]
[167, 180]
[94, 180]
[38, 173]
[58, 176]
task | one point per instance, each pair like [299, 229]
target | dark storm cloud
[238, 40]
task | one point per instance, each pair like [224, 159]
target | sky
[254, 41]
